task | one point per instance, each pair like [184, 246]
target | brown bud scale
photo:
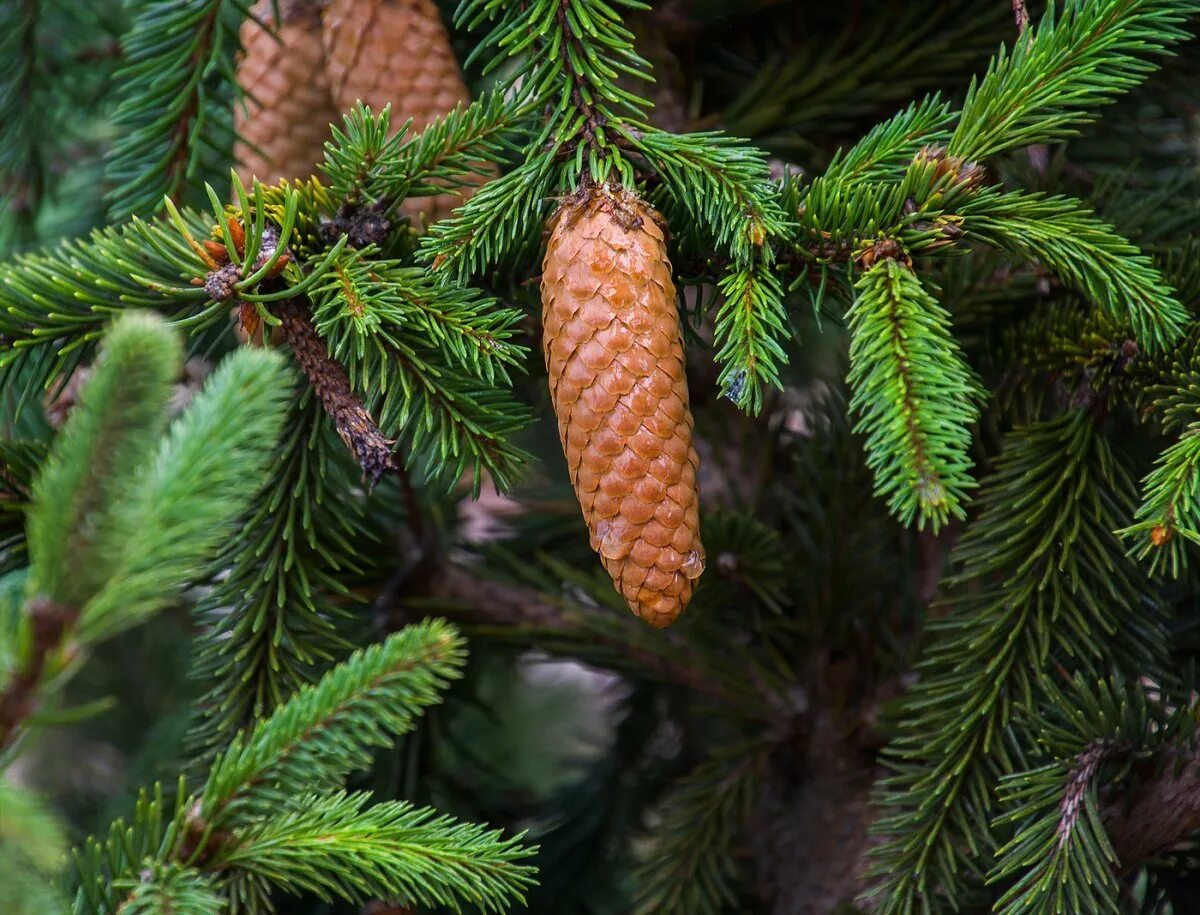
[397, 52]
[614, 353]
[288, 107]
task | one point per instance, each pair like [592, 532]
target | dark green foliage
[174, 117]
[961, 271]
[690, 866]
[1064, 236]
[1060, 859]
[1043, 584]
[272, 620]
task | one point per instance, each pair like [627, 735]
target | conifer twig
[354, 423]
[1021, 14]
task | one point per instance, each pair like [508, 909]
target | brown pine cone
[288, 107]
[614, 353]
[398, 52]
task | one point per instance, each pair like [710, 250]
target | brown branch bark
[809, 836]
[1159, 813]
[1021, 15]
[50, 622]
[462, 594]
[329, 380]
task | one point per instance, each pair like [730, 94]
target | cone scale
[614, 354]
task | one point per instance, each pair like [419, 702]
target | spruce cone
[397, 51]
[288, 109]
[614, 353]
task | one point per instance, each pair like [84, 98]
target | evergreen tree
[871, 341]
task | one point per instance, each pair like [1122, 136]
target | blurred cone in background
[284, 121]
[398, 52]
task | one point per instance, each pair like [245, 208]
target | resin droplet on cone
[398, 52]
[614, 354]
[288, 107]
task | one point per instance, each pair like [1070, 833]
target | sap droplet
[693, 565]
[613, 545]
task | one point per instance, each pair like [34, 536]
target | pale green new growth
[913, 395]
[183, 505]
[338, 846]
[113, 430]
[33, 849]
[327, 730]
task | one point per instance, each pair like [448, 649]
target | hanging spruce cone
[614, 353]
[283, 129]
[398, 52]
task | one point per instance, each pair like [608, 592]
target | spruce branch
[1061, 853]
[750, 323]
[159, 265]
[114, 429]
[1044, 581]
[432, 359]
[1168, 516]
[913, 395]
[326, 730]
[1113, 737]
[119, 527]
[328, 378]
[174, 114]
[724, 185]
[368, 163]
[367, 306]
[1167, 519]
[184, 505]
[497, 220]
[1078, 57]
[691, 866]
[574, 50]
[887, 150]
[338, 846]
[102, 869]
[269, 619]
[1087, 253]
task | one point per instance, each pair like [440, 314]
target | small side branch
[1021, 15]
[360, 432]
